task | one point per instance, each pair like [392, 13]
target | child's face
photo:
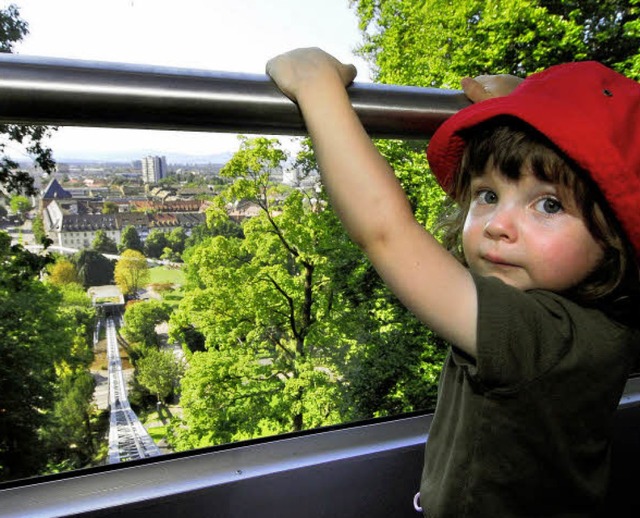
[525, 233]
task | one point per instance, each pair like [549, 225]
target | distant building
[69, 229]
[154, 169]
[54, 191]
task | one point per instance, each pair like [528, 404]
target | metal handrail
[65, 92]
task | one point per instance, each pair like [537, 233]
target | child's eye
[486, 196]
[549, 205]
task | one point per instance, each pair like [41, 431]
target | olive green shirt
[524, 430]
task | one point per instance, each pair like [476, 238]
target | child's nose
[501, 224]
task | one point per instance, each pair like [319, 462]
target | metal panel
[370, 469]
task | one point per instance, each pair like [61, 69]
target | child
[540, 304]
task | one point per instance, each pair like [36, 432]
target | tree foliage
[63, 272]
[94, 269]
[109, 207]
[437, 42]
[68, 436]
[159, 372]
[131, 272]
[264, 306]
[155, 243]
[39, 233]
[104, 244]
[141, 320]
[20, 204]
[279, 311]
[35, 342]
[130, 240]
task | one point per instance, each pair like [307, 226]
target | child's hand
[295, 70]
[486, 87]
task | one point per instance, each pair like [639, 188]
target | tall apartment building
[154, 168]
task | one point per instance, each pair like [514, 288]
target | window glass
[209, 329]
[216, 291]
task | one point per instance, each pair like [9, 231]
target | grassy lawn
[162, 274]
[157, 433]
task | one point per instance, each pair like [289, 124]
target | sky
[220, 35]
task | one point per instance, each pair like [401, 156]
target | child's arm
[370, 201]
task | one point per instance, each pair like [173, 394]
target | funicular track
[128, 439]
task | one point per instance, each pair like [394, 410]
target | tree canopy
[94, 269]
[141, 320]
[437, 42]
[130, 240]
[131, 272]
[63, 272]
[159, 372]
[104, 244]
[35, 342]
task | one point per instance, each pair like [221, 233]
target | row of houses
[74, 222]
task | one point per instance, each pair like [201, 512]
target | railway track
[128, 439]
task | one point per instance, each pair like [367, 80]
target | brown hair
[512, 146]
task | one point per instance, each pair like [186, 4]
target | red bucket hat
[586, 109]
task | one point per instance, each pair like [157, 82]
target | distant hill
[129, 156]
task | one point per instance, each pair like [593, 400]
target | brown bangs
[512, 147]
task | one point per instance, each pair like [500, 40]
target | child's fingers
[474, 90]
[348, 73]
[488, 86]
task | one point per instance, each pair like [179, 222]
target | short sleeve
[521, 334]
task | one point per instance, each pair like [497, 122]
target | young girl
[536, 289]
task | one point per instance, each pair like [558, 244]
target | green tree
[63, 272]
[264, 304]
[130, 240]
[159, 372]
[94, 269]
[109, 207]
[155, 243]
[35, 342]
[20, 205]
[225, 227]
[176, 240]
[131, 272]
[607, 28]
[141, 320]
[39, 232]
[104, 244]
[278, 313]
[68, 435]
[437, 42]
[631, 65]
[168, 254]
